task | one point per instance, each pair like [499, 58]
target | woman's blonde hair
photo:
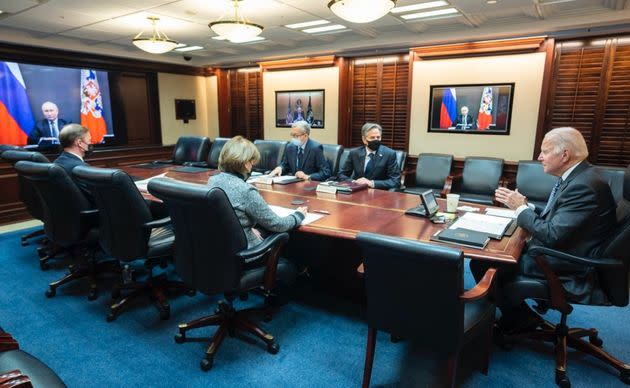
[235, 153]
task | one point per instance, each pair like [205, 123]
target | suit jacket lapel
[576, 171]
[307, 150]
[360, 166]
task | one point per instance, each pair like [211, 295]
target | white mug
[451, 202]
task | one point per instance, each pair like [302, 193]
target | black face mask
[374, 144]
[89, 150]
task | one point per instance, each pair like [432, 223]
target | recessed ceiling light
[492, 1]
[308, 24]
[325, 28]
[415, 7]
[219, 37]
[189, 48]
[437, 12]
[181, 45]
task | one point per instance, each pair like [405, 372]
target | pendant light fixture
[236, 30]
[361, 11]
[158, 43]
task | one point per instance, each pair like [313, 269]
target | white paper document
[484, 223]
[143, 184]
[508, 213]
[284, 211]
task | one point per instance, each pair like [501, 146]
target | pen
[321, 211]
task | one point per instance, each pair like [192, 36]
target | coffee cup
[451, 202]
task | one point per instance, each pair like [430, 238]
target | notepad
[143, 184]
[285, 211]
[492, 226]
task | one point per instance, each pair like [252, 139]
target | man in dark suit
[50, 126]
[464, 120]
[77, 143]
[579, 215]
[304, 157]
[374, 164]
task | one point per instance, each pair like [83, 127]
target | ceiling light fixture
[415, 7]
[333, 27]
[189, 48]
[307, 24]
[361, 11]
[236, 30]
[158, 43]
[437, 12]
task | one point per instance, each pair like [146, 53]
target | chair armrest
[482, 288]
[158, 223]
[14, 378]
[403, 175]
[586, 261]
[7, 342]
[264, 246]
[448, 184]
[270, 247]
[197, 164]
[89, 217]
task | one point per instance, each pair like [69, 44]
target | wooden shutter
[379, 95]
[246, 104]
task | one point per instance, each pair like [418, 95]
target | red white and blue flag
[92, 106]
[16, 117]
[448, 111]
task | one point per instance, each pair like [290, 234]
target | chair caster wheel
[44, 266]
[180, 338]
[563, 382]
[624, 376]
[111, 317]
[206, 365]
[273, 347]
[191, 292]
[50, 293]
[596, 341]
[92, 295]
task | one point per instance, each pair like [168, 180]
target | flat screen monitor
[429, 203]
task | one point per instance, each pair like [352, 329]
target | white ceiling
[108, 28]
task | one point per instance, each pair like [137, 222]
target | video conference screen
[37, 101]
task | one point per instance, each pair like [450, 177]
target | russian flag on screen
[16, 117]
[92, 106]
[448, 111]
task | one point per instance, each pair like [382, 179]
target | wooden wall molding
[298, 63]
[55, 57]
[500, 47]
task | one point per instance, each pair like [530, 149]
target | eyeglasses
[296, 135]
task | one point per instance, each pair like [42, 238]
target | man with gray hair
[304, 157]
[373, 164]
[49, 126]
[579, 216]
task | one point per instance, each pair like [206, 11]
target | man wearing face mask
[77, 144]
[304, 157]
[374, 164]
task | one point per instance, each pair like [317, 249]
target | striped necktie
[552, 196]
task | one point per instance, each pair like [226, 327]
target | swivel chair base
[24, 239]
[562, 336]
[88, 270]
[229, 320]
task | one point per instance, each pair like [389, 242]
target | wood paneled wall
[241, 103]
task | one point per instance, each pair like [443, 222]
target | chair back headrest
[7, 147]
[271, 153]
[61, 199]
[332, 153]
[208, 235]
[481, 175]
[533, 182]
[413, 289]
[433, 169]
[401, 159]
[14, 156]
[615, 177]
[215, 151]
[344, 156]
[122, 211]
[191, 149]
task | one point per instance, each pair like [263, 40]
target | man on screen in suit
[49, 126]
[374, 164]
[579, 216]
[464, 120]
[304, 157]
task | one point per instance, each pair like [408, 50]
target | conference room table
[375, 211]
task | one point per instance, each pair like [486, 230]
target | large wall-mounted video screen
[298, 105]
[37, 101]
[474, 109]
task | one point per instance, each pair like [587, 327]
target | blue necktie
[369, 166]
[53, 129]
[552, 196]
[298, 164]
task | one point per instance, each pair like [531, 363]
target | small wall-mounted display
[298, 105]
[474, 109]
[185, 110]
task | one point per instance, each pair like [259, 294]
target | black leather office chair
[211, 254]
[128, 232]
[189, 149]
[18, 368]
[343, 158]
[401, 159]
[7, 147]
[271, 153]
[332, 153]
[534, 183]
[612, 269]
[614, 176]
[416, 291]
[432, 173]
[69, 222]
[479, 179]
[28, 195]
[213, 156]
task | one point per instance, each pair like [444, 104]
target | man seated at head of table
[236, 160]
[579, 216]
[304, 157]
[374, 164]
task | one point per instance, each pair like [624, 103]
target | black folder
[465, 237]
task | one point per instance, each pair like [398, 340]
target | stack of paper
[285, 211]
[143, 184]
[492, 225]
[508, 213]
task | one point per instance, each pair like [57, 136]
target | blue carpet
[322, 341]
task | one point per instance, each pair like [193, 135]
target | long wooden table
[376, 211]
